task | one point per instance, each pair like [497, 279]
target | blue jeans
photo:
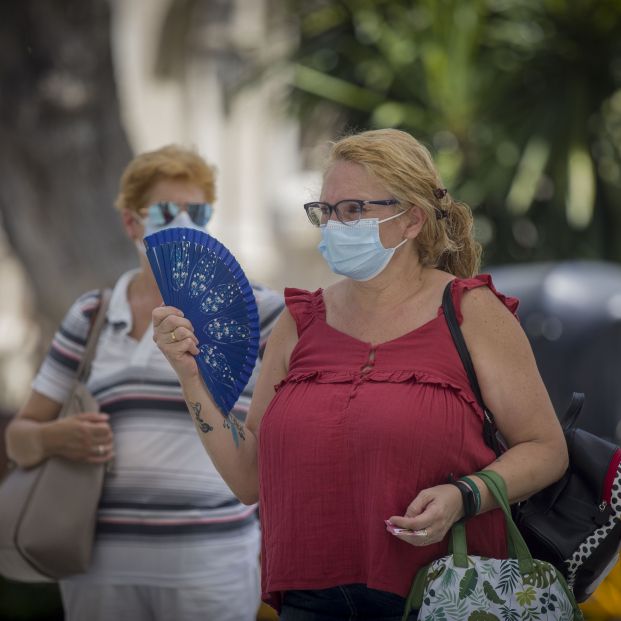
[343, 603]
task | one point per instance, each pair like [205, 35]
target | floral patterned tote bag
[460, 587]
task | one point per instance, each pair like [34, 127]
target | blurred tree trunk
[62, 149]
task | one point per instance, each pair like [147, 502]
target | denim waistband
[341, 603]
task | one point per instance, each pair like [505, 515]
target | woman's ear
[132, 224]
[415, 218]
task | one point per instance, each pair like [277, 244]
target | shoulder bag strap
[490, 432]
[84, 367]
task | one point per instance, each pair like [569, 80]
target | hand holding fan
[198, 275]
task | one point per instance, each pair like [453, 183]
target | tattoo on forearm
[204, 426]
[237, 429]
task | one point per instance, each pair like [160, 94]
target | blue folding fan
[198, 275]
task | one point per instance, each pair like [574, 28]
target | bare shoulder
[284, 332]
[498, 345]
[483, 310]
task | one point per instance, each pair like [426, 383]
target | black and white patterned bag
[575, 524]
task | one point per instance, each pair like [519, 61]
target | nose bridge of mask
[182, 219]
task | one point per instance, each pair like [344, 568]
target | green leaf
[542, 576]
[527, 596]
[509, 614]
[449, 578]
[481, 615]
[432, 574]
[491, 594]
[509, 576]
[468, 583]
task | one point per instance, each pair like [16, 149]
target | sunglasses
[164, 213]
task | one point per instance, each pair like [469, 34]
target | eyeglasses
[164, 213]
[348, 211]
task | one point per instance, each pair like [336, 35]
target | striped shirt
[164, 507]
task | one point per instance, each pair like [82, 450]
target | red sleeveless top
[341, 449]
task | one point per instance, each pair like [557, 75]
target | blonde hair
[407, 170]
[169, 162]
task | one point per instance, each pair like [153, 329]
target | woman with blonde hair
[172, 541]
[363, 410]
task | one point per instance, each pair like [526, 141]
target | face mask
[356, 250]
[181, 219]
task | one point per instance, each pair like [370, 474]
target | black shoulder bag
[575, 523]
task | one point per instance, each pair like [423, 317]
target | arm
[513, 389]
[235, 461]
[36, 434]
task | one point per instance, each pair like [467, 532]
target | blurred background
[518, 100]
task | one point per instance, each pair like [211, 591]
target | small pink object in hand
[395, 530]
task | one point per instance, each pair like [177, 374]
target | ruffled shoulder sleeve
[304, 306]
[461, 285]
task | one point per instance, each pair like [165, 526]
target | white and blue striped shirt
[165, 512]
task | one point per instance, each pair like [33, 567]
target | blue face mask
[356, 250]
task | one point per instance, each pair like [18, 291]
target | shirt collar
[119, 313]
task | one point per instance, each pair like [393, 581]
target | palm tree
[520, 101]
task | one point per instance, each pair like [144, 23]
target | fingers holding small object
[421, 534]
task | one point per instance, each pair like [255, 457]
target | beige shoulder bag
[48, 512]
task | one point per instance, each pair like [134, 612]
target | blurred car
[571, 312]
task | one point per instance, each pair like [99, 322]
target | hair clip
[440, 193]
[441, 213]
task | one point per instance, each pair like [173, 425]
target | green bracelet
[475, 489]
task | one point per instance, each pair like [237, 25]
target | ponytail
[461, 255]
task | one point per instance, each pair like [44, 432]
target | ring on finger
[100, 449]
[421, 533]
[173, 336]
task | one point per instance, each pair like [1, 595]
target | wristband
[467, 495]
[475, 489]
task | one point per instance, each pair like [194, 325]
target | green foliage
[509, 577]
[468, 583]
[509, 614]
[543, 575]
[436, 573]
[480, 615]
[527, 596]
[519, 100]
[491, 594]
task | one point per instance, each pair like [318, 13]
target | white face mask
[356, 250]
[182, 219]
